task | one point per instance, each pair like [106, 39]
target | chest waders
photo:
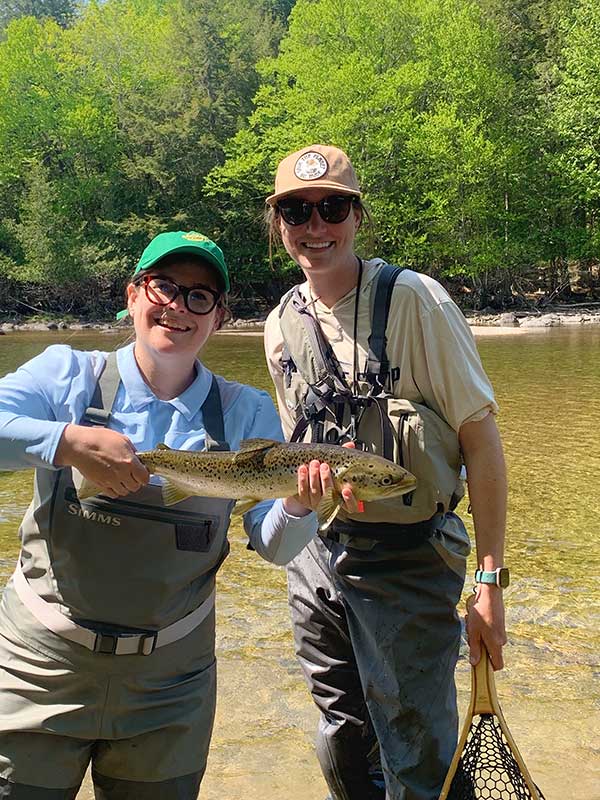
[373, 603]
[86, 676]
[329, 408]
[121, 576]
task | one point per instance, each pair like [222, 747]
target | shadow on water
[547, 386]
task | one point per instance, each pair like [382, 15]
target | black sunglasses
[198, 299]
[333, 208]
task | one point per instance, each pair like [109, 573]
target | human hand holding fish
[106, 458]
[316, 476]
[315, 481]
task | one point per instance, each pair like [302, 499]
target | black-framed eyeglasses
[333, 209]
[198, 299]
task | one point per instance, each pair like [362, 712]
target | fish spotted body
[264, 469]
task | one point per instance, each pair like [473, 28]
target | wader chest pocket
[194, 532]
[196, 538]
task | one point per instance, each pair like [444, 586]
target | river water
[548, 387]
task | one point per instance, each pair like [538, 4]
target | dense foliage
[473, 124]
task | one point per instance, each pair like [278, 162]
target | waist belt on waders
[402, 537]
[123, 644]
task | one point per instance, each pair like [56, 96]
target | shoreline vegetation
[473, 125]
[486, 322]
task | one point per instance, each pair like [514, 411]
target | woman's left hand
[314, 481]
[485, 625]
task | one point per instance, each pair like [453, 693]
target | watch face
[503, 577]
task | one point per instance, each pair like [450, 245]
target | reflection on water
[548, 385]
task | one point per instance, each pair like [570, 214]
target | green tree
[42, 232]
[61, 11]
[577, 121]
[419, 96]
[180, 77]
[126, 112]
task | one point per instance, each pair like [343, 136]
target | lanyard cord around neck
[355, 334]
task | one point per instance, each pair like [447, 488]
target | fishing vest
[131, 563]
[327, 409]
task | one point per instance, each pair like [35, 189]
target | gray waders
[377, 636]
[107, 637]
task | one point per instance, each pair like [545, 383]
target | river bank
[482, 323]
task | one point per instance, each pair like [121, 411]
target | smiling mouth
[317, 245]
[171, 325]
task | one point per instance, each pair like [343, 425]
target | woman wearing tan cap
[382, 357]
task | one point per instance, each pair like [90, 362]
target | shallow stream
[548, 387]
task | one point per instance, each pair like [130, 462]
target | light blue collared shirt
[55, 388]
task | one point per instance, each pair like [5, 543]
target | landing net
[487, 769]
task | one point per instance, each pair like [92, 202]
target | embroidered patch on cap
[195, 237]
[310, 166]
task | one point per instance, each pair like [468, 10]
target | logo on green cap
[195, 237]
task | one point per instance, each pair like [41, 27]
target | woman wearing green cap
[365, 352]
[107, 626]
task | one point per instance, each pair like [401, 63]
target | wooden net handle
[484, 700]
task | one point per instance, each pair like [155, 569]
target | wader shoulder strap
[212, 414]
[377, 362]
[313, 356]
[98, 411]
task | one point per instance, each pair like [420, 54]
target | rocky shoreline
[551, 317]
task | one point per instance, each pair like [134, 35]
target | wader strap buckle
[136, 644]
[147, 644]
[105, 643]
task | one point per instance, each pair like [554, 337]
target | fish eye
[386, 481]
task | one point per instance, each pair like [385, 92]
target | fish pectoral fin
[172, 494]
[243, 505]
[84, 487]
[87, 489]
[328, 509]
[253, 448]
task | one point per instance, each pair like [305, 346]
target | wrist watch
[499, 577]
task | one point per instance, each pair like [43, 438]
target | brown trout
[264, 469]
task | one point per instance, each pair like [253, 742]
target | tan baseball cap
[319, 166]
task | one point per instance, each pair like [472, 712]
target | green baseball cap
[185, 242]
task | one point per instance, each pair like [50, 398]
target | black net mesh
[487, 769]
